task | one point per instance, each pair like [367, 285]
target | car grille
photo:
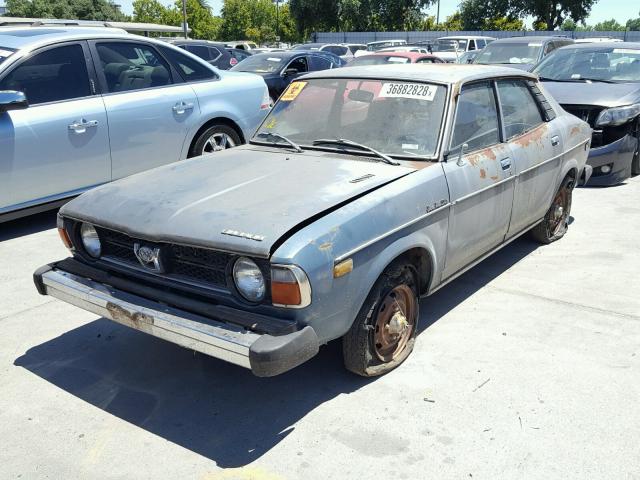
[585, 113]
[181, 263]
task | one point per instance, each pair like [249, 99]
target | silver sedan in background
[81, 107]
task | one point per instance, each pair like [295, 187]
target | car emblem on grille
[149, 257]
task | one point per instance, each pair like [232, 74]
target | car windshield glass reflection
[5, 53]
[510, 53]
[592, 64]
[397, 118]
[450, 45]
[262, 63]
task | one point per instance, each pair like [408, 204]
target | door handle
[82, 125]
[181, 107]
[505, 163]
[555, 140]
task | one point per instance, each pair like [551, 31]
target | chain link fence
[411, 37]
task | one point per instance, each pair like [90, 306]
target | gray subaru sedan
[363, 190]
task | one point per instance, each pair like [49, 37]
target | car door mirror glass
[290, 72]
[12, 100]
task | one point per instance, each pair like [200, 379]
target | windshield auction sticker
[417, 91]
[293, 91]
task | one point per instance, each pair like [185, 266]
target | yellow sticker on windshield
[293, 91]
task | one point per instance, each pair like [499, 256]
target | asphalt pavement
[526, 367]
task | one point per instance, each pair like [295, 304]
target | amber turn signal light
[289, 287]
[64, 236]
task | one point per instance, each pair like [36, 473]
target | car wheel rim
[217, 142]
[559, 211]
[395, 323]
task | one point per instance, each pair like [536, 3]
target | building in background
[3, 9]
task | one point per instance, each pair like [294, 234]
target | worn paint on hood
[596, 93]
[258, 192]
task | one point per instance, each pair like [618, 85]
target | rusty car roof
[445, 73]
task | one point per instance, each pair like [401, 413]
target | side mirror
[12, 100]
[289, 72]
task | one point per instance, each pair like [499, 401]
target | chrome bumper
[265, 355]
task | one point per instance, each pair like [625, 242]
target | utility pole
[184, 18]
[277, 23]
[438, 13]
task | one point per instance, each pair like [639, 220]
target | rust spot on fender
[533, 136]
[494, 178]
[122, 315]
[574, 131]
[483, 173]
[326, 246]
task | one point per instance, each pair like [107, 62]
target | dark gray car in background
[600, 83]
[520, 52]
[214, 53]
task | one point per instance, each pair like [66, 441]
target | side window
[425, 60]
[51, 76]
[300, 64]
[319, 63]
[189, 69]
[481, 43]
[199, 51]
[476, 122]
[215, 53]
[551, 46]
[472, 45]
[132, 66]
[519, 109]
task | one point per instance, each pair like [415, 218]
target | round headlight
[249, 279]
[90, 240]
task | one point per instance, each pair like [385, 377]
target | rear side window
[215, 53]
[54, 75]
[519, 109]
[319, 63]
[189, 69]
[199, 51]
[481, 43]
[337, 50]
[476, 121]
[132, 66]
[425, 60]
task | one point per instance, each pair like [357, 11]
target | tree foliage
[551, 12]
[256, 20]
[76, 10]
[609, 26]
[634, 23]
[489, 15]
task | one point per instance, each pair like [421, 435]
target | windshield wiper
[349, 143]
[599, 80]
[576, 80]
[272, 135]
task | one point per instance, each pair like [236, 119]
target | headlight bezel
[616, 116]
[87, 234]
[253, 299]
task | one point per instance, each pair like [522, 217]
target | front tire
[556, 221]
[216, 138]
[383, 334]
[635, 162]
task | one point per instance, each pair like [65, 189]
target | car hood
[601, 94]
[246, 191]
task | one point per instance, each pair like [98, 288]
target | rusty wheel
[556, 221]
[383, 334]
[395, 323]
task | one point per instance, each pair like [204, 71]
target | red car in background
[394, 58]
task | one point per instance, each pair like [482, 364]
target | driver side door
[480, 181]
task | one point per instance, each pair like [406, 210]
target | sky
[621, 10]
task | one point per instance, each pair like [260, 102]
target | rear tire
[556, 221]
[216, 138]
[383, 334]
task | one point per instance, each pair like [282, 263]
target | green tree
[552, 12]
[452, 22]
[609, 26]
[568, 25]
[78, 9]
[634, 24]
[149, 11]
[256, 20]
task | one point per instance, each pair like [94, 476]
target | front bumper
[265, 355]
[618, 156]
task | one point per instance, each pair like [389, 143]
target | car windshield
[5, 53]
[398, 118]
[378, 60]
[261, 63]
[374, 47]
[597, 63]
[450, 45]
[510, 53]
